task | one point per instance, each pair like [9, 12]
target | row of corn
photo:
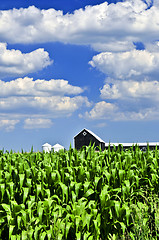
[80, 195]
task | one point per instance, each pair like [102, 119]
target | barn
[85, 137]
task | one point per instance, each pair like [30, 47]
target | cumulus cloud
[131, 90]
[134, 100]
[113, 29]
[127, 21]
[34, 123]
[56, 105]
[8, 124]
[113, 46]
[125, 65]
[44, 99]
[40, 87]
[101, 110]
[14, 62]
[110, 111]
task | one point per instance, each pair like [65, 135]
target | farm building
[85, 137]
[48, 148]
[57, 147]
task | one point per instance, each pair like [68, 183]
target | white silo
[57, 147]
[46, 147]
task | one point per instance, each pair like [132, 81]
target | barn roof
[92, 133]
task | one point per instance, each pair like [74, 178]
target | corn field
[80, 195]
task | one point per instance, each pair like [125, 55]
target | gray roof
[93, 134]
[143, 144]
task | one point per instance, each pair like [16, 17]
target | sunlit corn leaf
[91, 237]
[11, 228]
[117, 208]
[2, 189]
[89, 193]
[97, 223]
[6, 207]
[78, 235]
[74, 197]
[42, 236]
[30, 233]
[11, 185]
[81, 174]
[19, 219]
[38, 190]
[88, 177]
[40, 213]
[24, 235]
[86, 218]
[127, 185]
[107, 175]
[59, 236]
[25, 193]
[86, 235]
[64, 189]
[36, 232]
[127, 212]
[104, 195]
[78, 186]
[29, 183]
[67, 228]
[121, 175]
[13, 237]
[49, 234]
[96, 181]
[24, 217]
[21, 179]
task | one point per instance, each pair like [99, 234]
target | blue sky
[85, 64]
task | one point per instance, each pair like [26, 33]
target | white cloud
[134, 100]
[110, 111]
[33, 123]
[125, 65]
[101, 110]
[59, 105]
[40, 97]
[8, 124]
[113, 46]
[101, 125]
[41, 100]
[131, 90]
[56, 105]
[147, 114]
[14, 62]
[123, 22]
[111, 28]
[40, 87]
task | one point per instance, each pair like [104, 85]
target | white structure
[57, 147]
[46, 147]
[141, 145]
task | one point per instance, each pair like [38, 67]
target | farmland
[80, 195]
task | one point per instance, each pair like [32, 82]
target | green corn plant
[86, 194]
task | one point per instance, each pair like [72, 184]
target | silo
[46, 147]
[57, 147]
